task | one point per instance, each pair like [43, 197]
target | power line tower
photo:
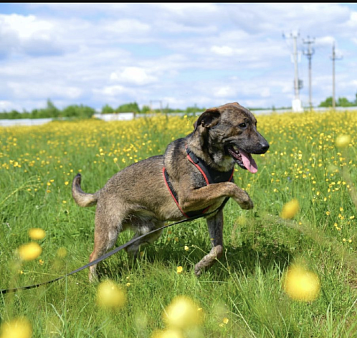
[296, 104]
[160, 101]
[309, 52]
[334, 57]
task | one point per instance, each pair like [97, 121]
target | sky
[172, 54]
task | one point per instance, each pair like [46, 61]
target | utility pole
[309, 52]
[333, 58]
[160, 101]
[296, 104]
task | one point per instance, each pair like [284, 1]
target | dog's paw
[244, 201]
[247, 205]
[198, 271]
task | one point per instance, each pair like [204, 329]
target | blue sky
[179, 53]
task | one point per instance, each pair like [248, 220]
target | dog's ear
[208, 118]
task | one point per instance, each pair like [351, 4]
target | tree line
[83, 112]
[340, 102]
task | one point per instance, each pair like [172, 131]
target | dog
[193, 177]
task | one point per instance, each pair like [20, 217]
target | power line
[334, 58]
[309, 52]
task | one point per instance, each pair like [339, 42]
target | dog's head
[231, 130]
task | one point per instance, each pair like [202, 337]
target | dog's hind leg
[107, 227]
[143, 229]
[215, 229]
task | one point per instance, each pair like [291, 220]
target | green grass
[245, 286]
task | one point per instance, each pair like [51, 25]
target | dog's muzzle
[245, 159]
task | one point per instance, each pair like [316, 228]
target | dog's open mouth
[243, 159]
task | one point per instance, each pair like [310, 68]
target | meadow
[242, 295]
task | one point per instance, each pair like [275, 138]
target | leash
[110, 253]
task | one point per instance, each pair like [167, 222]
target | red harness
[210, 176]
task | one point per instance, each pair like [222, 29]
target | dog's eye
[243, 125]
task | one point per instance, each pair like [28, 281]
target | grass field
[242, 295]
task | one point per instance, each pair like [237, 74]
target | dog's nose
[265, 146]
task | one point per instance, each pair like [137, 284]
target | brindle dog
[138, 197]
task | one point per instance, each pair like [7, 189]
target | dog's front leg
[203, 197]
[215, 229]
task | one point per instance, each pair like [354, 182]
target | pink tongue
[249, 162]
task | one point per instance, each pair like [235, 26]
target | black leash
[110, 253]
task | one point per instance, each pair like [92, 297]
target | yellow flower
[179, 269]
[110, 295]
[343, 141]
[186, 248]
[301, 284]
[169, 333]
[37, 233]
[29, 251]
[62, 252]
[182, 313]
[290, 209]
[225, 320]
[16, 328]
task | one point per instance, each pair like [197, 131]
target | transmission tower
[309, 52]
[334, 58]
[296, 104]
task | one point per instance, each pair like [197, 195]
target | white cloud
[181, 53]
[111, 90]
[26, 27]
[125, 26]
[5, 105]
[224, 50]
[133, 75]
[27, 34]
[225, 92]
[41, 90]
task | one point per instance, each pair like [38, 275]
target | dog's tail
[81, 198]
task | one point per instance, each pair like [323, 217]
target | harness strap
[173, 193]
[210, 176]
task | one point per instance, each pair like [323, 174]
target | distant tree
[194, 109]
[51, 110]
[37, 113]
[14, 114]
[107, 109]
[343, 102]
[129, 107]
[78, 111]
[327, 103]
[340, 102]
[145, 109]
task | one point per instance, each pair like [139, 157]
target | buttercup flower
[29, 251]
[37, 233]
[169, 333]
[110, 295]
[343, 141]
[16, 328]
[182, 313]
[290, 209]
[62, 252]
[301, 284]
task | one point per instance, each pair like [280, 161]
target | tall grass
[242, 295]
